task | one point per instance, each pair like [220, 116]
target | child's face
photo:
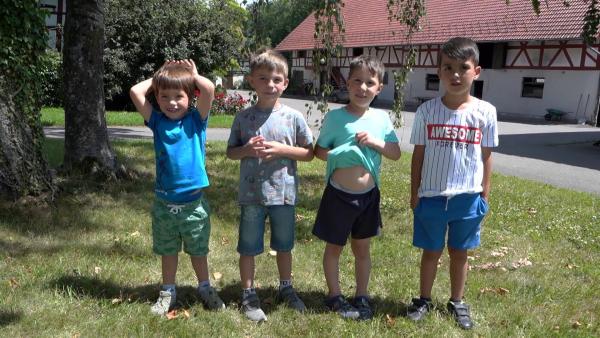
[363, 86]
[268, 84]
[174, 103]
[457, 76]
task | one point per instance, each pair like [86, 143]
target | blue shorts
[252, 228]
[342, 214]
[460, 215]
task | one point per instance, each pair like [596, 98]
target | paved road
[562, 155]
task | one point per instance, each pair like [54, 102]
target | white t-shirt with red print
[453, 163]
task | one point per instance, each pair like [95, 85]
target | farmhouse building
[530, 62]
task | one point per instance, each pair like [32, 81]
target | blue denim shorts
[252, 228]
[460, 216]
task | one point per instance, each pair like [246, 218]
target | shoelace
[175, 208]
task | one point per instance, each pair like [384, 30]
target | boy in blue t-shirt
[180, 214]
[352, 140]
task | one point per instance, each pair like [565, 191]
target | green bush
[52, 79]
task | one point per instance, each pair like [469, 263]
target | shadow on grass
[106, 290]
[8, 317]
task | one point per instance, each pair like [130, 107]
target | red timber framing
[546, 55]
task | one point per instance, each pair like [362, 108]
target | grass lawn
[56, 117]
[84, 266]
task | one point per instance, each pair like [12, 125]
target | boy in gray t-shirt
[268, 138]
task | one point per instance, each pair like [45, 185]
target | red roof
[367, 24]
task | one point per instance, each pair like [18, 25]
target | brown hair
[270, 59]
[459, 48]
[174, 76]
[374, 66]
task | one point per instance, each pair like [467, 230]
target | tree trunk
[23, 170]
[87, 148]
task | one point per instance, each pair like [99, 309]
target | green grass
[56, 117]
[84, 266]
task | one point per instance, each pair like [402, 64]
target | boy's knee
[457, 254]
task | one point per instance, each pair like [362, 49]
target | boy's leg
[284, 265]
[169, 269]
[458, 273]
[207, 293]
[429, 264]
[247, 271]
[362, 265]
[331, 259]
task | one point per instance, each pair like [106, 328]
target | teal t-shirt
[338, 133]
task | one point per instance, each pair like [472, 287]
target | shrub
[228, 104]
[52, 79]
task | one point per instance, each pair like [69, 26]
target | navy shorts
[342, 214]
[460, 216]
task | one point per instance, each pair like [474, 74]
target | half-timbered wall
[571, 73]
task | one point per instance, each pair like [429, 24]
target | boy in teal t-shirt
[352, 140]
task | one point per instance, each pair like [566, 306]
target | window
[533, 87]
[301, 53]
[432, 82]
[358, 51]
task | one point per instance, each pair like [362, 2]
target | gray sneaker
[163, 304]
[340, 305]
[251, 308]
[289, 296]
[211, 298]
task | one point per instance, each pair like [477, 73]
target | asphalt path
[558, 154]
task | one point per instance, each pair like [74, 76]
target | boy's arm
[320, 152]
[206, 88]
[138, 96]
[416, 166]
[486, 153]
[273, 149]
[389, 150]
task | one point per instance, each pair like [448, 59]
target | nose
[363, 86]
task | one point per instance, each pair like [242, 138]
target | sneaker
[419, 307]
[289, 296]
[163, 304]
[251, 308]
[211, 298]
[361, 303]
[342, 307]
[460, 312]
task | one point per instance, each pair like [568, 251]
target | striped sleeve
[417, 135]
[490, 130]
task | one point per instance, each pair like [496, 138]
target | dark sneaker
[361, 303]
[289, 296]
[460, 312]
[340, 305]
[211, 298]
[251, 308]
[419, 307]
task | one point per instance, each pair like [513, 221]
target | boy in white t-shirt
[450, 175]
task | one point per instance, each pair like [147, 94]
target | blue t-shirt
[180, 156]
[338, 133]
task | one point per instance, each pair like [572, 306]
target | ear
[379, 88]
[477, 71]
[286, 82]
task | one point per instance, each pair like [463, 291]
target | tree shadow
[8, 317]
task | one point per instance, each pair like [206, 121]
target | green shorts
[174, 224]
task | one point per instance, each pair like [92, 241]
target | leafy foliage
[23, 39]
[52, 79]
[591, 22]
[142, 34]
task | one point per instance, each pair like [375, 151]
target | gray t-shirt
[272, 182]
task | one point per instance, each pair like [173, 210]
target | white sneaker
[163, 303]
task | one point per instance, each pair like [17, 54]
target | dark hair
[372, 64]
[459, 48]
[270, 59]
[174, 76]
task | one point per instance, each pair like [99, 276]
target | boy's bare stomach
[355, 178]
